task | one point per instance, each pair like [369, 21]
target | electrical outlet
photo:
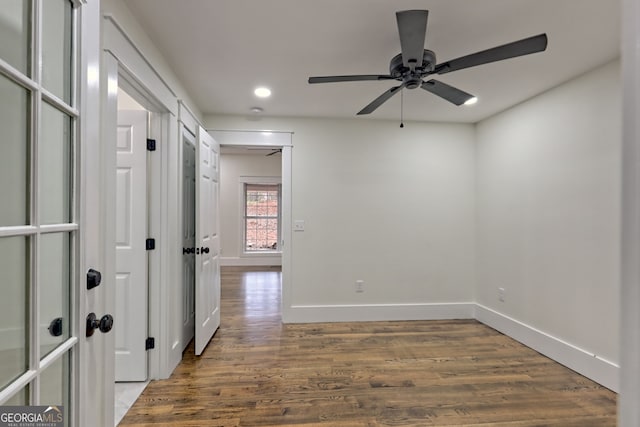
[359, 286]
[501, 294]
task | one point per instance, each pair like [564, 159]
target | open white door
[188, 237]
[207, 240]
[131, 254]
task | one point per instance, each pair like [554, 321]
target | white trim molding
[264, 138]
[268, 259]
[628, 408]
[134, 64]
[379, 312]
[594, 367]
[588, 364]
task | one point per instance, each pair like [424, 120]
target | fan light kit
[414, 63]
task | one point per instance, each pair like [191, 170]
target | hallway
[258, 372]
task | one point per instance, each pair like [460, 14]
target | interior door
[207, 240]
[188, 236]
[131, 255]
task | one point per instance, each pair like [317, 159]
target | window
[261, 217]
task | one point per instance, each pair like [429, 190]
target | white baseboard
[588, 364]
[591, 366]
[261, 260]
[377, 312]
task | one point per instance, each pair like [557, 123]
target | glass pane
[21, 398]
[15, 33]
[54, 386]
[54, 290]
[14, 152]
[13, 308]
[56, 47]
[55, 166]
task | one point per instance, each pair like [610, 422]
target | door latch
[93, 278]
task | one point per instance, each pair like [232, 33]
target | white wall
[393, 207]
[548, 175]
[232, 168]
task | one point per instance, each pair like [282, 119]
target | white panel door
[207, 240]
[188, 237]
[131, 254]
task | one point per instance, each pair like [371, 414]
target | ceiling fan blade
[510, 50]
[380, 100]
[450, 93]
[355, 78]
[412, 28]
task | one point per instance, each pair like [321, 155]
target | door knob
[55, 327]
[105, 324]
[204, 250]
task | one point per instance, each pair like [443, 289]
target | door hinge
[151, 244]
[150, 343]
[151, 144]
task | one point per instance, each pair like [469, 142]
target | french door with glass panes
[38, 215]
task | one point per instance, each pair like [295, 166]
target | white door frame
[628, 409]
[124, 65]
[94, 399]
[273, 139]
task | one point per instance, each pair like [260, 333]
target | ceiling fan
[272, 151]
[415, 62]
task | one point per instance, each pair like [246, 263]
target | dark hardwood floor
[258, 372]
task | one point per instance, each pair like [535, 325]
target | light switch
[298, 225]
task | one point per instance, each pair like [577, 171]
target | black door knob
[205, 250]
[55, 327]
[105, 324]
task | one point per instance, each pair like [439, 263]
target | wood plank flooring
[259, 372]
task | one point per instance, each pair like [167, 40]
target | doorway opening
[248, 158]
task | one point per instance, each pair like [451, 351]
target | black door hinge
[151, 244]
[151, 144]
[150, 343]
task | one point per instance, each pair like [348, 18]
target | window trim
[258, 180]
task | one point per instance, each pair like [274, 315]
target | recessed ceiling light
[256, 110]
[471, 101]
[262, 92]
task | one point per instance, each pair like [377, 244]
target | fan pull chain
[402, 107]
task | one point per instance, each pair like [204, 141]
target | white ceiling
[222, 49]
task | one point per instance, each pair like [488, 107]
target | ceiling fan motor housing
[412, 80]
